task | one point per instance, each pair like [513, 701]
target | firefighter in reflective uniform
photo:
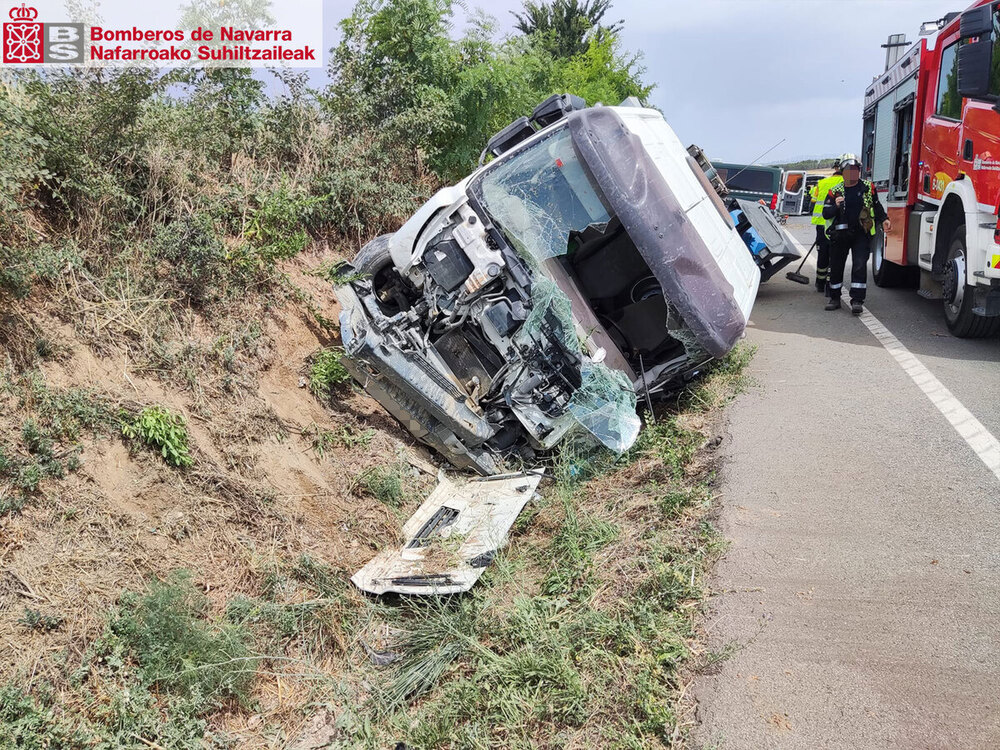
[852, 210]
[818, 195]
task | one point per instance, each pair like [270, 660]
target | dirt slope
[258, 495]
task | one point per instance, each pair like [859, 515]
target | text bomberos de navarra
[226, 52]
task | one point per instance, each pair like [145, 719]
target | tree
[400, 77]
[229, 95]
[392, 69]
[565, 25]
[602, 73]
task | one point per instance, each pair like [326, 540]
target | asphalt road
[858, 604]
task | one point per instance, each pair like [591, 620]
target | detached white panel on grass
[452, 537]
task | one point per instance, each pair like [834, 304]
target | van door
[793, 190]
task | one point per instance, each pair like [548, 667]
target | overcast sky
[733, 76]
[737, 76]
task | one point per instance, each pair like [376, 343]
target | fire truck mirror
[977, 22]
[974, 60]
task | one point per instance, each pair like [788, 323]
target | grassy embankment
[582, 633]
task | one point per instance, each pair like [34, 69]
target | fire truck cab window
[949, 103]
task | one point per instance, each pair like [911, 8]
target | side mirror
[975, 51]
[555, 108]
[974, 60]
[507, 138]
[976, 22]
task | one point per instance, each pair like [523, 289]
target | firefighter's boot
[857, 307]
[833, 304]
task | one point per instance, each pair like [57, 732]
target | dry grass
[256, 502]
[260, 499]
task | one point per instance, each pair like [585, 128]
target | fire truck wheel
[888, 274]
[959, 296]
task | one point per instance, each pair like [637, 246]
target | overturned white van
[588, 262]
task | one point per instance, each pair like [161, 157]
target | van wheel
[394, 293]
[891, 275]
[959, 296]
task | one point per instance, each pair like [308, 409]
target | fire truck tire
[959, 296]
[888, 274]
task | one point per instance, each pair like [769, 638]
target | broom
[797, 277]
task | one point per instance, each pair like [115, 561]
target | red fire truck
[931, 145]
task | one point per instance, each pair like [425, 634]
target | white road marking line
[981, 440]
[797, 244]
[971, 429]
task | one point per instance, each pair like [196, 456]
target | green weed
[326, 372]
[49, 437]
[385, 484]
[722, 380]
[163, 431]
[337, 273]
[572, 550]
[32, 619]
[434, 636]
[148, 680]
[317, 576]
[320, 438]
[30, 723]
[274, 231]
[165, 635]
[674, 501]
[670, 443]
[198, 256]
[352, 437]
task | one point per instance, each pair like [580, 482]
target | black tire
[959, 296]
[393, 292]
[889, 275]
[374, 256]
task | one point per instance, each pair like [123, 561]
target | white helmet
[846, 158]
[849, 160]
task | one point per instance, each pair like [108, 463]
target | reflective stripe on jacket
[872, 212]
[819, 197]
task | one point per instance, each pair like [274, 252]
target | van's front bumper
[430, 406]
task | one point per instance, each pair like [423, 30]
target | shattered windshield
[541, 194]
[605, 406]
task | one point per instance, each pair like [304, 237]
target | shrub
[165, 633]
[30, 724]
[33, 619]
[162, 430]
[275, 229]
[197, 255]
[56, 417]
